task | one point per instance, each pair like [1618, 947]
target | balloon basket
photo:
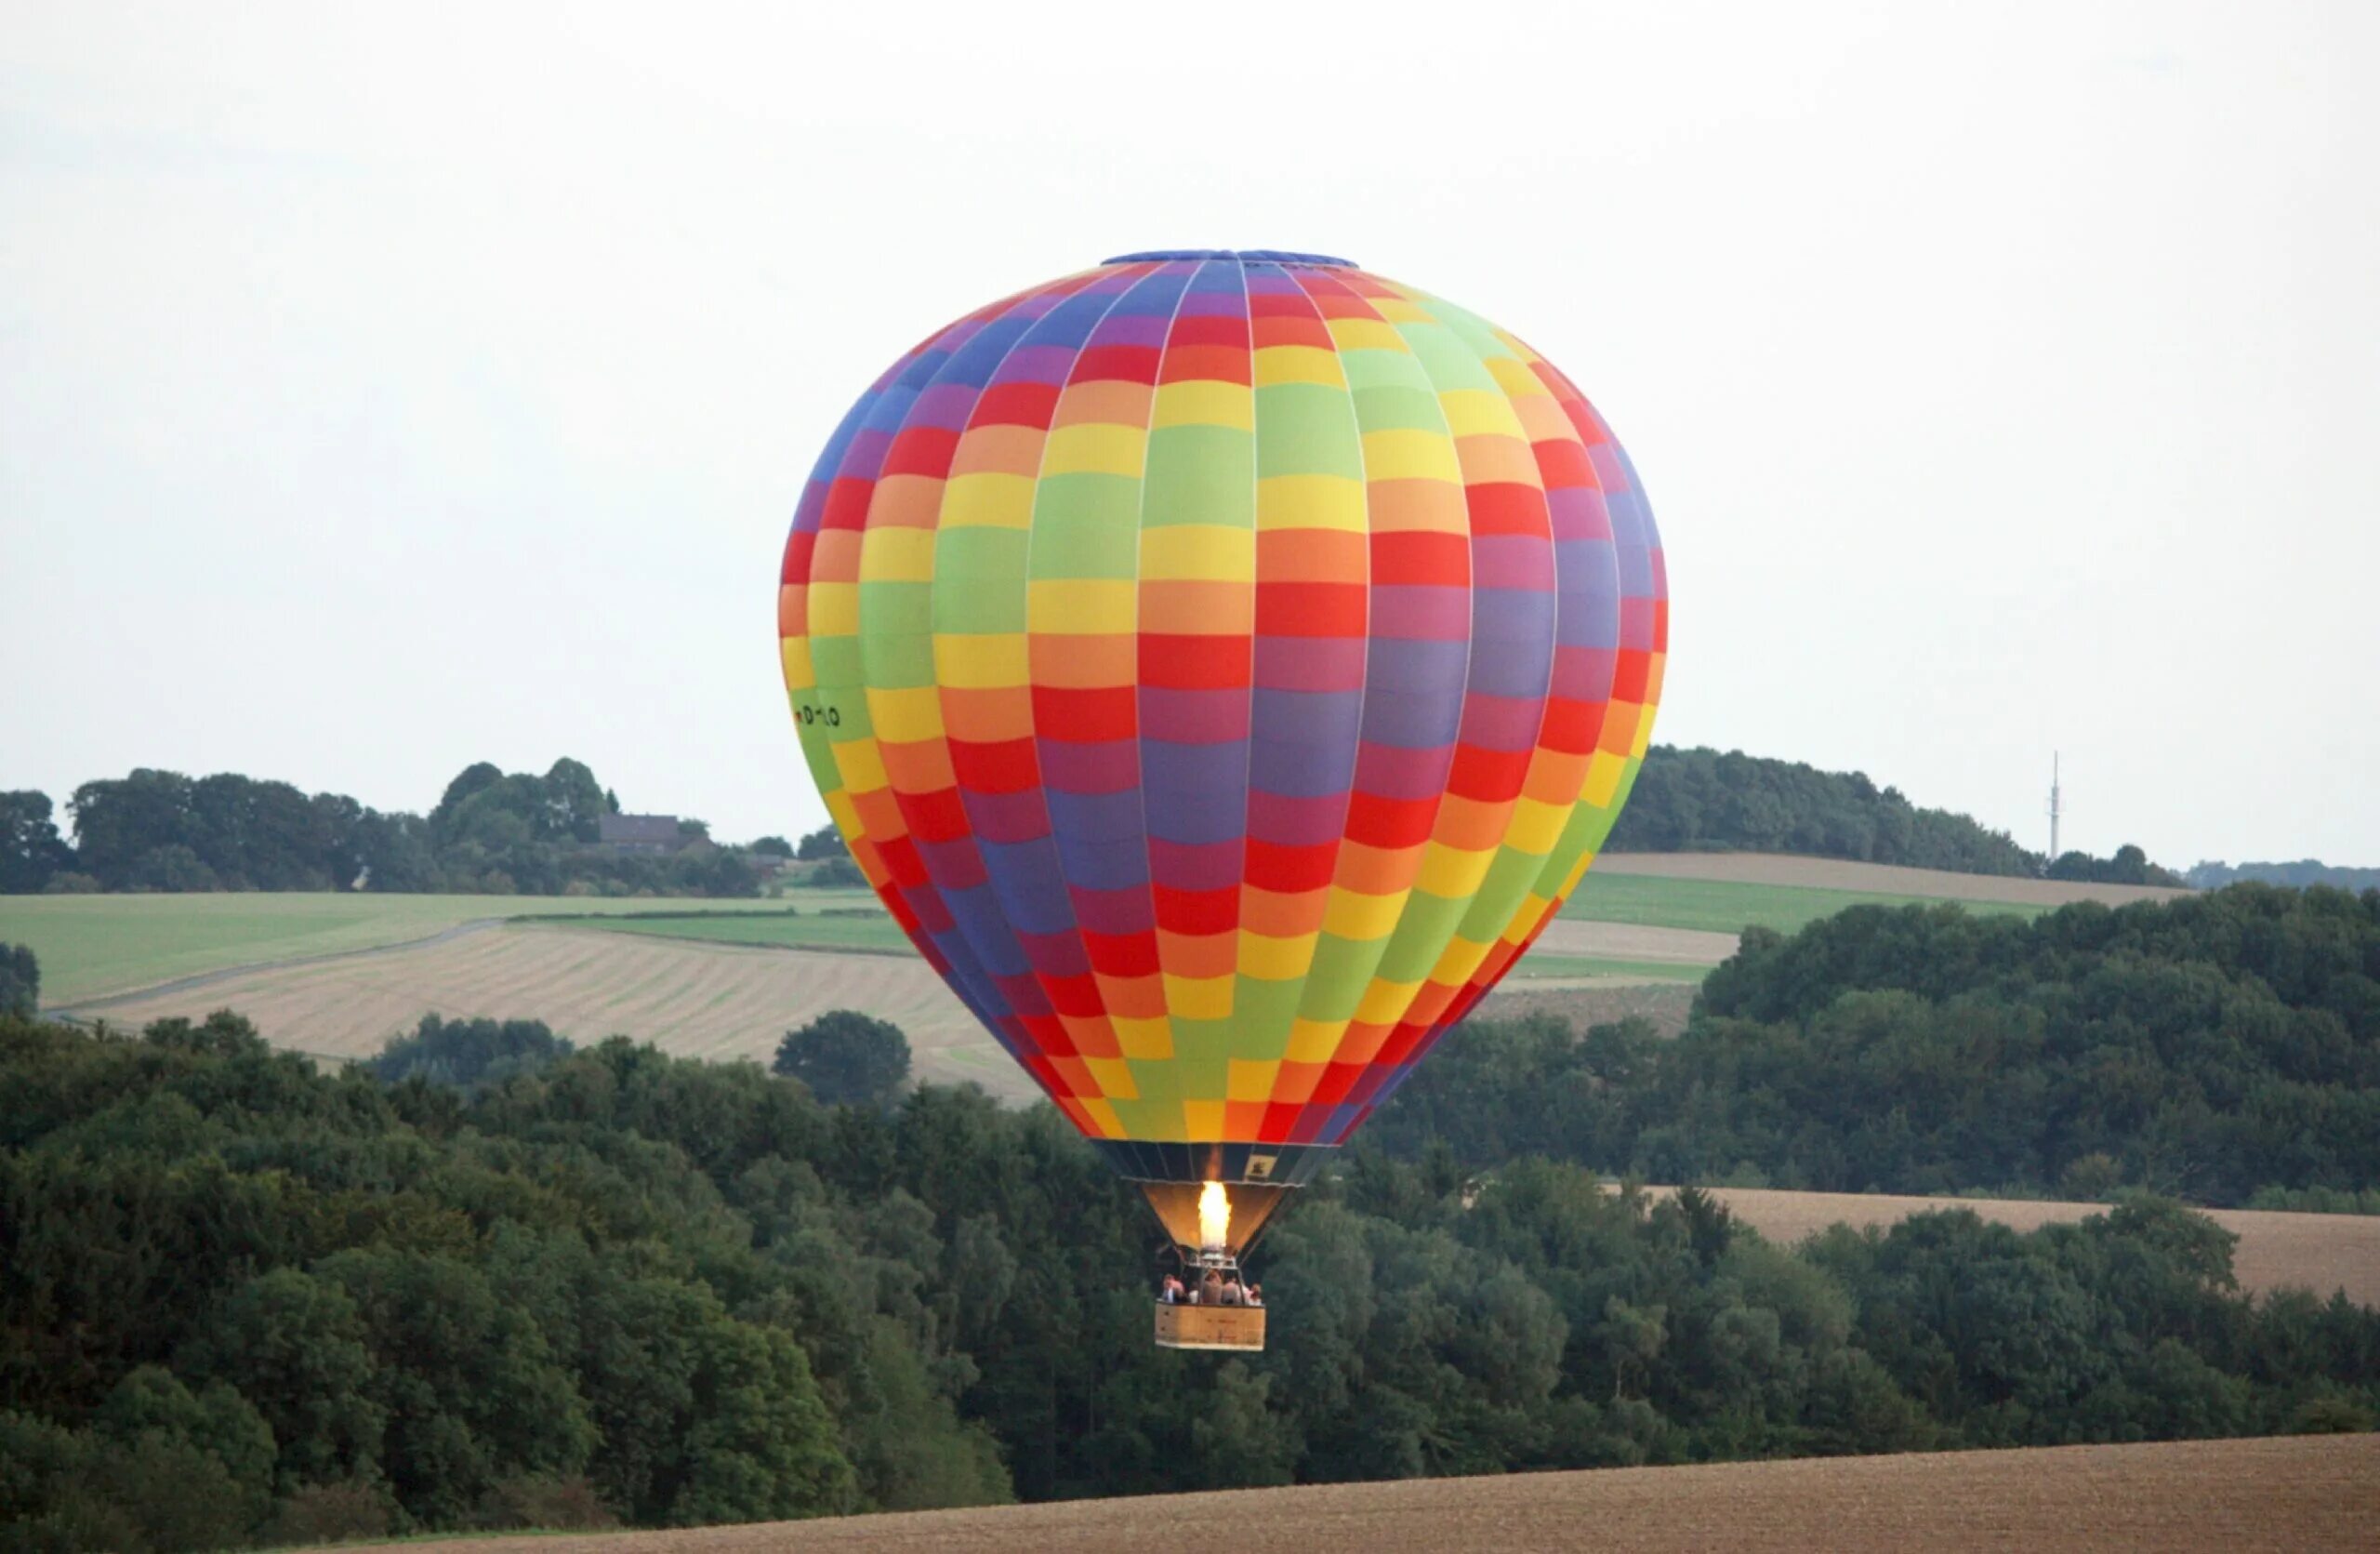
[1188, 1325]
[1210, 1327]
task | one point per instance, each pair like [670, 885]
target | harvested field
[694, 1000]
[1879, 879]
[1628, 941]
[1664, 1005]
[2235, 1496]
[2317, 1251]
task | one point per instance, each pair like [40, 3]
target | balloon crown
[1260, 255]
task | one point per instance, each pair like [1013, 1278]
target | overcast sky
[381, 395]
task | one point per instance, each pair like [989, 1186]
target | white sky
[381, 395]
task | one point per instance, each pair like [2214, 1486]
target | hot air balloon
[1224, 665]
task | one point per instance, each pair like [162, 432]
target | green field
[811, 932]
[778, 930]
[1725, 906]
[91, 945]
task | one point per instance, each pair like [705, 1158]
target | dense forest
[1701, 800]
[506, 1282]
[2305, 871]
[492, 832]
[2214, 1047]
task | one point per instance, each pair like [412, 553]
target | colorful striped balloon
[1224, 665]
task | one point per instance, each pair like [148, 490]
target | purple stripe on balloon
[1108, 767]
[1008, 820]
[1038, 363]
[1387, 771]
[1025, 876]
[1197, 865]
[1114, 912]
[1410, 721]
[1578, 510]
[1111, 817]
[1300, 822]
[1512, 561]
[955, 863]
[1309, 663]
[1101, 864]
[1416, 612]
[1202, 717]
[946, 405]
[1054, 954]
[1503, 722]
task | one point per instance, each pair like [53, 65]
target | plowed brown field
[2235, 1496]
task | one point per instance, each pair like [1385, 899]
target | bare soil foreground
[1780, 868]
[2308, 1492]
[2317, 1251]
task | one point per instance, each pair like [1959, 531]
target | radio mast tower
[2056, 806]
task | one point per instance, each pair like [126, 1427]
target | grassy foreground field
[2232, 1496]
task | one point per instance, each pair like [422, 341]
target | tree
[469, 1053]
[468, 782]
[823, 843]
[577, 802]
[846, 1058]
[30, 850]
[20, 980]
[835, 873]
[774, 846]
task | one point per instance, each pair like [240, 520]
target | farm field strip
[90, 946]
[94, 946]
[2231, 1496]
[1882, 879]
[708, 1001]
[2318, 1252]
[1730, 906]
[1591, 948]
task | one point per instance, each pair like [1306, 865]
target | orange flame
[1214, 1217]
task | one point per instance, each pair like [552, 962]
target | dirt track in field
[1664, 1005]
[1630, 941]
[2317, 1251]
[2236, 1496]
[1780, 868]
[707, 1001]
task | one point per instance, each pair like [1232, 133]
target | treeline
[1701, 800]
[492, 831]
[2305, 871]
[241, 1300]
[2223, 1048]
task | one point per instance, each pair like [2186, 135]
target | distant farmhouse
[642, 833]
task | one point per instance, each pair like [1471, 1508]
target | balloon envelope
[1224, 665]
